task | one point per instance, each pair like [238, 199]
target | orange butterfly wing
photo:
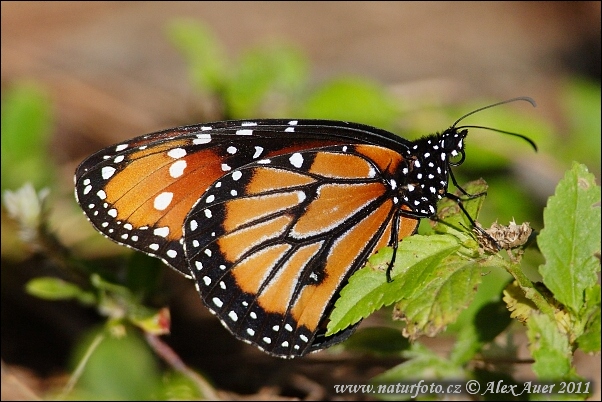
[271, 243]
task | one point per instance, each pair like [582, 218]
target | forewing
[139, 192]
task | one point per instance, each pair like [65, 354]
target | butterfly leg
[470, 196]
[458, 201]
[394, 242]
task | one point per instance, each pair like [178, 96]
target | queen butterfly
[269, 217]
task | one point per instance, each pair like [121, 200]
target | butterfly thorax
[428, 168]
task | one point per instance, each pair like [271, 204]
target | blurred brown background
[112, 74]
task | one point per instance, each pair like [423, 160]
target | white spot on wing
[202, 139]
[177, 168]
[177, 153]
[296, 160]
[258, 152]
[163, 200]
[107, 172]
[163, 231]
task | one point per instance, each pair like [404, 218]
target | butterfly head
[429, 162]
[451, 144]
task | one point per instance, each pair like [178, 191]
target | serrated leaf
[50, 288]
[549, 347]
[490, 320]
[571, 237]
[520, 306]
[474, 325]
[589, 341]
[439, 301]
[368, 289]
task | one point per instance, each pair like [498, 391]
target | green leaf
[51, 288]
[265, 80]
[489, 321]
[549, 347]
[432, 289]
[121, 368]
[589, 341]
[26, 128]
[438, 301]
[176, 386]
[352, 99]
[490, 291]
[571, 238]
[203, 53]
[368, 289]
[473, 325]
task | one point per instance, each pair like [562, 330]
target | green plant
[436, 277]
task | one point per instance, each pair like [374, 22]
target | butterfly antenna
[524, 137]
[520, 98]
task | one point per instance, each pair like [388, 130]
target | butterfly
[269, 217]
